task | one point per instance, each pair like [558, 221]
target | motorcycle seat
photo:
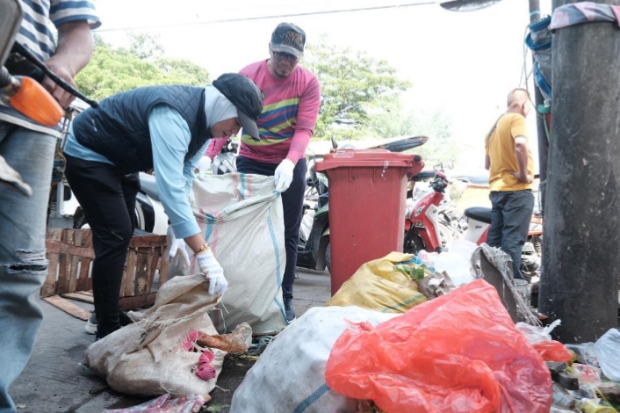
[148, 185]
[481, 214]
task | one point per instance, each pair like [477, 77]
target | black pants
[107, 196]
[510, 223]
[293, 203]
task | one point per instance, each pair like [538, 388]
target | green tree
[351, 84]
[113, 70]
[389, 120]
[145, 46]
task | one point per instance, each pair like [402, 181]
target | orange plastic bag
[459, 353]
[552, 350]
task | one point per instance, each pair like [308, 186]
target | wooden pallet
[70, 256]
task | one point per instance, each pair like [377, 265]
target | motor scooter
[479, 222]
[423, 228]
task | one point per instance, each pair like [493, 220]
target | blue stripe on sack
[275, 248]
[211, 220]
[242, 184]
[274, 242]
[312, 398]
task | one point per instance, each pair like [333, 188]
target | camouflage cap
[288, 38]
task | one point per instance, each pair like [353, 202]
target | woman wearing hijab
[165, 128]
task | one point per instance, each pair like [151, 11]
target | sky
[461, 63]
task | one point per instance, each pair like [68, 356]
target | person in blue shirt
[160, 128]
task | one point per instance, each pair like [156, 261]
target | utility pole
[581, 241]
[543, 145]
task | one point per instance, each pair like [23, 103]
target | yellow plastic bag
[378, 286]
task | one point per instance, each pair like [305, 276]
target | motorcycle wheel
[413, 243]
[140, 220]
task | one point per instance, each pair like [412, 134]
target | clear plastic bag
[456, 353]
[585, 353]
[607, 351]
[589, 376]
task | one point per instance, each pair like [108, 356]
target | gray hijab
[218, 107]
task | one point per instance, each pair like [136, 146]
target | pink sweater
[289, 114]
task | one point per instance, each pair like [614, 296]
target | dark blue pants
[293, 202]
[511, 214]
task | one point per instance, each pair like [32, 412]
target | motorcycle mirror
[10, 17]
[467, 5]
[334, 143]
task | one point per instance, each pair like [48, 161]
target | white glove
[204, 165]
[284, 175]
[178, 252]
[214, 272]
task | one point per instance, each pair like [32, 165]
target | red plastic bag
[552, 350]
[459, 353]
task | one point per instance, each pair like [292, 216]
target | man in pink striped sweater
[291, 106]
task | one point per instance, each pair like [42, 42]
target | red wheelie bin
[367, 194]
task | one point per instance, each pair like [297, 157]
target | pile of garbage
[447, 332]
[590, 380]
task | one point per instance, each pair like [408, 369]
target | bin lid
[364, 158]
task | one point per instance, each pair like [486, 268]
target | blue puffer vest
[119, 128]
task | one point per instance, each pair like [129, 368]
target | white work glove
[177, 253]
[284, 175]
[204, 165]
[214, 272]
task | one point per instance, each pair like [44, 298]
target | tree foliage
[390, 120]
[113, 70]
[351, 84]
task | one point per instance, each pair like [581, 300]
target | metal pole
[543, 145]
[581, 242]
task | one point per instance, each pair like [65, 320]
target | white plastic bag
[463, 248]
[242, 219]
[536, 334]
[290, 375]
[607, 351]
[457, 267]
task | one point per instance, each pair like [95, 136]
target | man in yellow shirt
[511, 168]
